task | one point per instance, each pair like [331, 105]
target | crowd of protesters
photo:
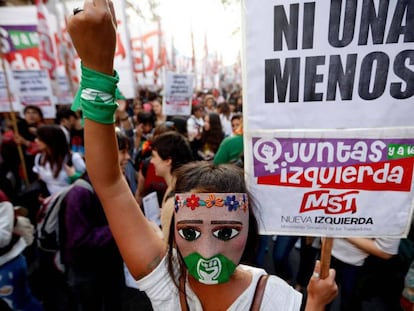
[151, 146]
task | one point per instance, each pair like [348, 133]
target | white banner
[315, 72]
[334, 183]
[178, 94]
[34, 88]
[147, 57]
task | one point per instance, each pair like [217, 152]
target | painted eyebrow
[184, 222]
[226, 222]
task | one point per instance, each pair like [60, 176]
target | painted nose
[209, 247]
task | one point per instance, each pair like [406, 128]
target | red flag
[159, 57]
[162, 59]
[205, 74]
[193, 58]
[237, 68]
[46, 51]
[173, 55]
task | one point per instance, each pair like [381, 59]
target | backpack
[47, 227]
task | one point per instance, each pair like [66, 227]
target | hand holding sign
[321, 291]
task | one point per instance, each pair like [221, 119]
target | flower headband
[231, 201]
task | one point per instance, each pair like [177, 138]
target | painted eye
[189, 234]
[226, 234]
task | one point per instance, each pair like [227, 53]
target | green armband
[74, 177]
[96, 96]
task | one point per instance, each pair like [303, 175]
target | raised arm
[93, 33]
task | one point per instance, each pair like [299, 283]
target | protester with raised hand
[213, 220]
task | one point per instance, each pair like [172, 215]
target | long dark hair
[58, 149]
[205, 177]
[215, 134]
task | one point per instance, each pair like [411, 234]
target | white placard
[329, 133]
[35, 89]
[152, 208]
[178, 94]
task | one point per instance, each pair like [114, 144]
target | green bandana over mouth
[214, 270]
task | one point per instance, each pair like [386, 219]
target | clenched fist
[93, 33]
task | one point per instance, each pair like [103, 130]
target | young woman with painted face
[210, 228]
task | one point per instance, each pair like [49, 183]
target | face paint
[214, 270]
[211, 232]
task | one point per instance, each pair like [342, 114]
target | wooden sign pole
[326, 257]
[13, 115]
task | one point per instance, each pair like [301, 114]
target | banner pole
[13, 115]
[326, 257]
